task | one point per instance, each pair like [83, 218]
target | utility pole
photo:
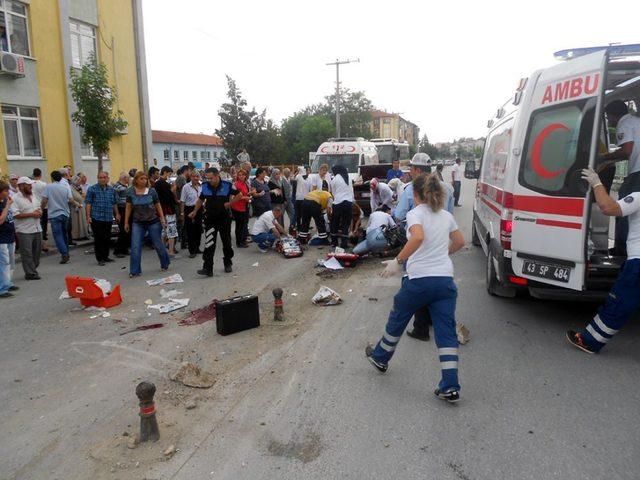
[337, 63]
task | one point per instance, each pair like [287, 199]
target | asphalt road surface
[310, 405]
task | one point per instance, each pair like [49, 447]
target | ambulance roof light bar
[614, 51]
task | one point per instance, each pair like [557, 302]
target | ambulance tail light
[518, 280]
[506, 227]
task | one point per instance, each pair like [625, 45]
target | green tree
[355, 112]
[426, 147]
[96, 101]
[303, 134]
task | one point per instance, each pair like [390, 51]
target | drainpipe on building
[143, 92]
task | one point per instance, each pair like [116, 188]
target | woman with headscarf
[343, 199]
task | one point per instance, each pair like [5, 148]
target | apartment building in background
[175, 149]
[392, 125]
[40, 41]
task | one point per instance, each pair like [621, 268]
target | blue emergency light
[614, 51]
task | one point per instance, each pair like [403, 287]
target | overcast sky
[446, 66]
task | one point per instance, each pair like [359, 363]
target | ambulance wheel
[475, 240]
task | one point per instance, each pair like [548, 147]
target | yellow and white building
[40, 41]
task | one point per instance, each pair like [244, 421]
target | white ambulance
[533, 215]
[352, 153]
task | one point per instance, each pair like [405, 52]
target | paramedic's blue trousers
[439, 295]
[623, 300]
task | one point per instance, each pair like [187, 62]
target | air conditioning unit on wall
[12, 65]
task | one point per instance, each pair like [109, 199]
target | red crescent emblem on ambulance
[536, 160]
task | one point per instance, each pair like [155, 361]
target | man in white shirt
[193, 226]
[267, 230]
[243, 156]
[623, 300]
[381, 194]
[456, 175]
[628, 139]
[375, 240]
[26, 213]
[38, 190]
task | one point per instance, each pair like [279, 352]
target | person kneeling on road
[267, 229]
[623, 299]
[376, 241]
[432, 235]
[313, 205]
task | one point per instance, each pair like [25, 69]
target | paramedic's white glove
[591, 176]
[392, 267]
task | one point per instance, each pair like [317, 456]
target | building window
[167, 158]
[86, 150]
[194, 156]
[22, 132]
[14, 33]
[83, 43]
[185, 156]
[176, 156]
[215, 154]
[208, 155]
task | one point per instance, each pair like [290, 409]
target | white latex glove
[392, 267]
[591, 176]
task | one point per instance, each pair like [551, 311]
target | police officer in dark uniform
[216, 196]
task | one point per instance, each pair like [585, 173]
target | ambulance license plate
[544, 270]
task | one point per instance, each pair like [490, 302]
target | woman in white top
[321, 180]
[343, 199]
[302, 188]
[432, 236]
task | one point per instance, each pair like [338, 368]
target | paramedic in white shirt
[381, 194]
[456, 175]
[341, 210]
[320, 180]
[623, 300]
[628, 139]
[432, 235]
[266, 230]
[302, 188]
[375, 240]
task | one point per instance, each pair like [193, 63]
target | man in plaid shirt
[102, 207]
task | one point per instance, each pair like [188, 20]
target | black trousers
[193, 229]
[101, 239]
[44, 223]
[456, 192]
[311, 209]
[212, 228]
[421, 321]
[340, 223]
[241, 219]
[124, 238]
[298, 207]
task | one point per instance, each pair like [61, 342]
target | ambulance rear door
[550, 214]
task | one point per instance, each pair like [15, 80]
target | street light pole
[337, 63]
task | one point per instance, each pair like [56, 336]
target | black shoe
[193, 255]
[451, 396]
[381, 367]
[119, 255]
[32, 277]
[6, 295]
[13, 288]
[207, 273]
[65, 259]
[109, 260]
[101, 263]
[575, 339]
[228, 269]
[419, 336]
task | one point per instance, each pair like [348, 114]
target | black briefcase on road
[237, 314]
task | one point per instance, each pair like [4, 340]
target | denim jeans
[138, 232]
[59, 230]
[375, 242]
[7, 262]
[264, 240]
[439, 295]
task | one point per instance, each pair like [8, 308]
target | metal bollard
[148, 422]
[278, 309]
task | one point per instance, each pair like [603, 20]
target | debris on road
[169, 451]
[200, 315]
[143, 327]
[373, 299]
[191, 375]
[64, 295]
[175, 278]
[93, 292]
[169, 293]
[132, 442]
[463, 333]
[174, 304]
[332, 264]
[326, 297]
[294, 294]
[257, 264]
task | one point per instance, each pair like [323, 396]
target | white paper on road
[257, 264]
[103, 285]
[175, 278]
[174, 304]
[325, 297]
[333, 264]
[64, 295]
[169, 293]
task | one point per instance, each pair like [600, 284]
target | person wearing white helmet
[381, 194]
[420, 165]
